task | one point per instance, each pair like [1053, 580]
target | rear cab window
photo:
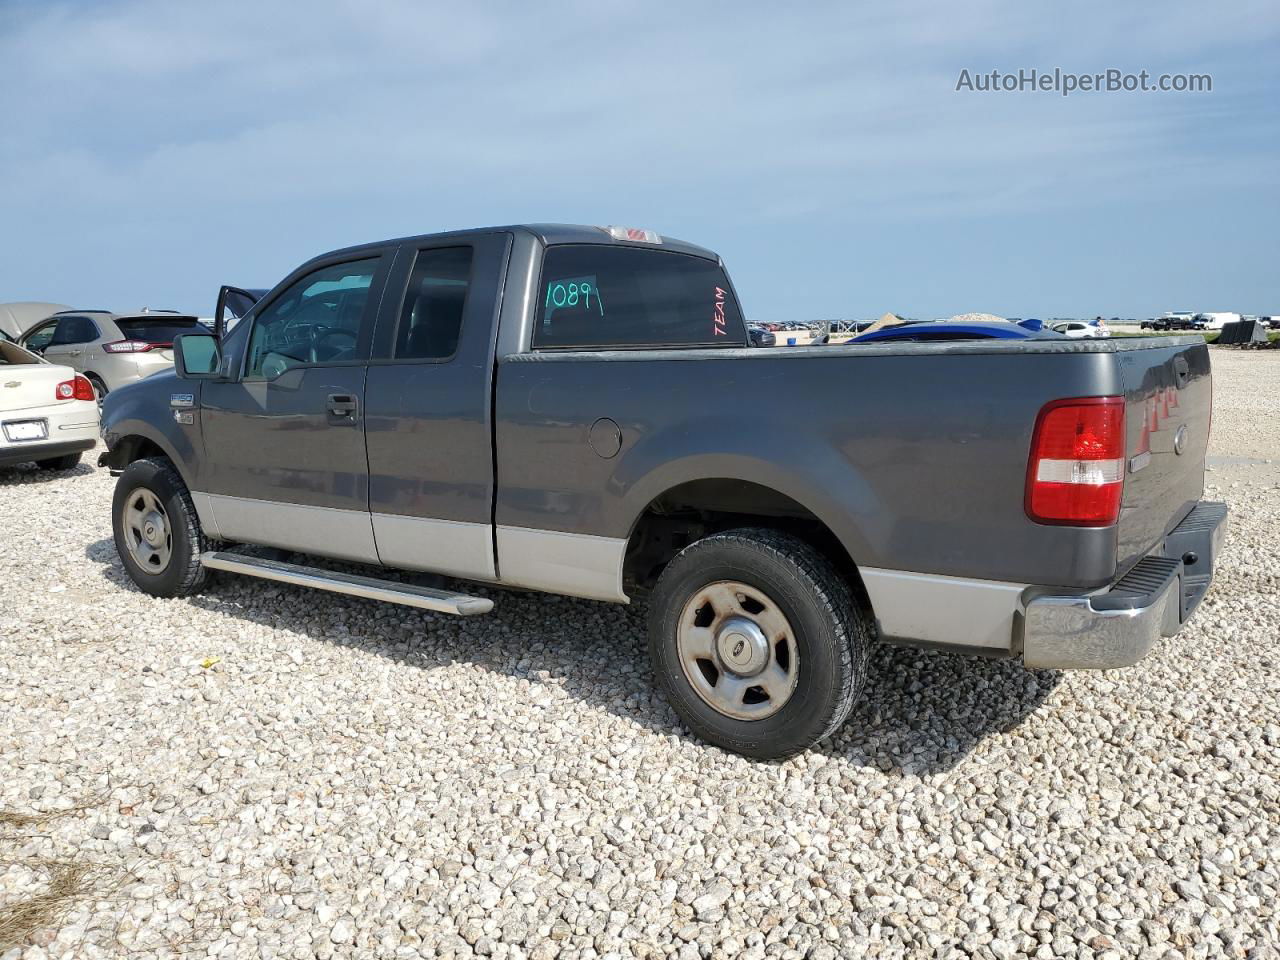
[594, 296]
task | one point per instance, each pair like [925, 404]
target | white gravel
[268, 772]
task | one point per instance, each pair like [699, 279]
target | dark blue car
[934, 331]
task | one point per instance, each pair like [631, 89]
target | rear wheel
[99, 388]
[157, 532]
[757, 642]
[59, 463]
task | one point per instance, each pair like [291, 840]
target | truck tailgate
[1168, 405]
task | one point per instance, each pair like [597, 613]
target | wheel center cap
[153, 529]
[742, 647]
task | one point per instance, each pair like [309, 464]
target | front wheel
[157, 532]
[757, 642]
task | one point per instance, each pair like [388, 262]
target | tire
[152, 487]
[758, 575]
[99, 388]
[59, 463]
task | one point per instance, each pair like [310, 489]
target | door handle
[343, 405]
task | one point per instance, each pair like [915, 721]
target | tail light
[1075, 476]
[133, 346]
[77, 389]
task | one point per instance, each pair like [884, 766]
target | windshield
[11, 353]
[156, 329]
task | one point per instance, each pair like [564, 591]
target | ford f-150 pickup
[580, 410]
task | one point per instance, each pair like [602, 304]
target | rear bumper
[31, 452]
[1119, 626]
[71, 427]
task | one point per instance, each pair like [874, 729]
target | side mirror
[197, 356]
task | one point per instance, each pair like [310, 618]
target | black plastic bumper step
[1140, 586]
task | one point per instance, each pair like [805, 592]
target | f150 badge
[181, 403]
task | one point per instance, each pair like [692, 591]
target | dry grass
[69, 881]
[17, 820]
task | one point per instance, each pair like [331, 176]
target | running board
[442, 601]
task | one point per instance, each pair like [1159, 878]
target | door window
[431, 317]
[40, 338]
[316, 321]
[73, 330]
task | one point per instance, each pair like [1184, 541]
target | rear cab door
[429, 405]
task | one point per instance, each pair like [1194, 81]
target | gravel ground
[269, 772]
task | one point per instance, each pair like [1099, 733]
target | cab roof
[549, 234]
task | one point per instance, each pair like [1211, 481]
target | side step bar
[442, 601]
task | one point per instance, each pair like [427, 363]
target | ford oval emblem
[1180, 440]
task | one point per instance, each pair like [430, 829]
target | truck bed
[914, 454]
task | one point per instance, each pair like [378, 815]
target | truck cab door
[429, 407]
[284, 437]
[233, 303]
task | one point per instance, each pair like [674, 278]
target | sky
[151, 151]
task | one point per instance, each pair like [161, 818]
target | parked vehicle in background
[1216, 321]
[1174, 320]
[760, 337]
[934, 331]
[110, 349]
[48, 413]
[23, 315]
[1079, 328]
[577, 410]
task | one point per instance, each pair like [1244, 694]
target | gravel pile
[267, 772]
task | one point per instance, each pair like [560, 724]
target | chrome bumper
[1119, 626]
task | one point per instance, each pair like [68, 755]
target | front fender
[142, 414]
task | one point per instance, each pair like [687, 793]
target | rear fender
[843, 502]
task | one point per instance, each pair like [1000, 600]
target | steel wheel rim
[737, 650]
[147, 531]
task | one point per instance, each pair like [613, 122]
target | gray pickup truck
[579, 410]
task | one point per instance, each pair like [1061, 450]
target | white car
[48, 413]
[1078, 328]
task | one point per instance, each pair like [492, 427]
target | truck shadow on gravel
[922, 712]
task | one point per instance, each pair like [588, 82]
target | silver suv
[110, 349]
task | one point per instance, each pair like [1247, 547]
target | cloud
[257, 131]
